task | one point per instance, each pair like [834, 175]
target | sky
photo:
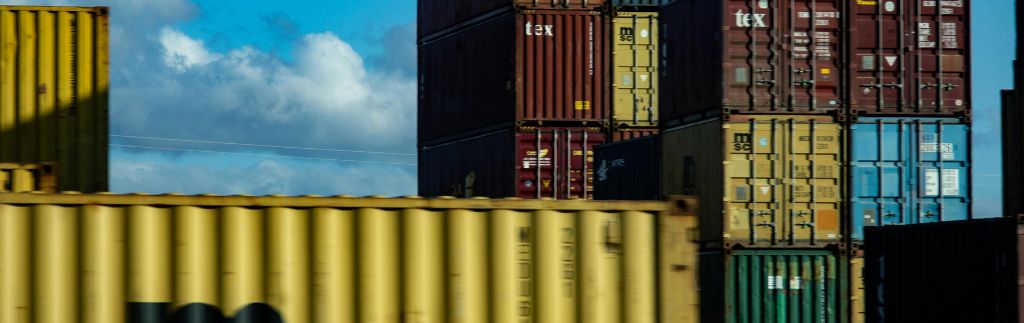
[338, 80]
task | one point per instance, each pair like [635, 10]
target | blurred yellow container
[54, 84]
[138, 258]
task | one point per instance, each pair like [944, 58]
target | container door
[813, 159]
[943, 183]
[557, 163]
[882, 175]
[940, 61]
[579, 167]
[635, 59]
[783, 286]
[812, 62]
[754, 205]
[751, 63]
[879, 63]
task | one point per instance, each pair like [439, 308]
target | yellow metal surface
[54, 84]
[857, 300]
[773, 181]
[635, 55]
[25, 178]
[101, 258]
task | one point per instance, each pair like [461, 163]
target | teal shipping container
[908, 171]
[774, 285]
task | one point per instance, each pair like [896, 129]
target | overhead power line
[263, 155]
[264, 146]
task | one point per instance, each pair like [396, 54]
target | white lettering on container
[755, 20]
[540, 30]
[950, 182]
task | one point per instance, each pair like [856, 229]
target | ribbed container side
[910, 57]
[138, 258]
[964, 271]
[773, 285]
[446, 16]
[857, 291]
[25, 178]
[547, 162]
[641, 3]
[635, 68]
[763, 181]
[527, 67]
[907, 171]
[729, 57]
[623, 134]
[1013, 152]
[54, 91]
[628, 170]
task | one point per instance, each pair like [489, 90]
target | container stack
[635, 59]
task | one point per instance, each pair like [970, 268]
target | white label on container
[794, 283]
[947, 149]
[644, 33]
[950, 182]
[776, 282]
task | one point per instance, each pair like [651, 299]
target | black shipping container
[960, 271]
[628, 170]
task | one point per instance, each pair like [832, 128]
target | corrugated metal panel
[910, 57]
[623, 134]
[54, 88]
[773, 286]
[628, 170]
[963, 271]
[528, 67]
[640, 3]
[529, 163]
[1013, 151]
[124, 258]
[771, 181]
[24, 178]
[447, 16]
[635, 79]
[898, 175]
[857, 297]
[751, 57]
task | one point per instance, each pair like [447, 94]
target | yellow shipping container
[24, 178]
[136, 258]
[54, 83]
[857, 300]
[635, 83]
[765, 181]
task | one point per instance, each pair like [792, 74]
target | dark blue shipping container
[628, 170]
[907, 171]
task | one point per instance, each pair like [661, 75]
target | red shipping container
[910, 57]
[441, 16]
[528, 67]
[530, 163]
[751, 57]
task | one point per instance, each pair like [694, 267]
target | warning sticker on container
[867, 2]
[947, 149]
[950, 182]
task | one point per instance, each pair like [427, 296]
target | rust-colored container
[751, 57]
[527, 67]
[438, 17]
[910, 57]
[528, 163]
[960, 271]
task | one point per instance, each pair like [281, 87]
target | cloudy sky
[197, 78]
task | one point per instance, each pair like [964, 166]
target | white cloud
[182, 52]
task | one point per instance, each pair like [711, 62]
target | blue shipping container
[907, 171]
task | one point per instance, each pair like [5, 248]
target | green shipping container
[635, 83]
[771, 285]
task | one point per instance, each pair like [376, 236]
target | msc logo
[540, 30]
[755, 20]
[742, 142]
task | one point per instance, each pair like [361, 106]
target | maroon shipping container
[910, 57]
[751, 57]
[530, 163]
[617, 135]
[443, 16]
[528, 67]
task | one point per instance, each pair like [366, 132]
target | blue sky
[338, 75]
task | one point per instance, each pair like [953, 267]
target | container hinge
[881, 85]
[929, 214]
[804, 82]
[764, 70]
[766, 224]
[801, 70]
[764, 82]
[889, 214]
[806, 224]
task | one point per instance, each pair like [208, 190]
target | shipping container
[54, 91]
[910, 57]
[628, 170]
[25, 178]
[908, 170]
[635, 60]
[751, 57]
[139, 258]
[623, 134]
[1013, 152]
[640, 4]
[530, 67]
[528, 163]
[765, 181]
[963, 271]
[773, 285]
[441, 17]
[857, 297]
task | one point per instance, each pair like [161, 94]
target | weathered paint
[767, 181]
[635, 75]
[54, 89]
[773, 285]
[139, 258]
[910, 57]
[899, 175]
